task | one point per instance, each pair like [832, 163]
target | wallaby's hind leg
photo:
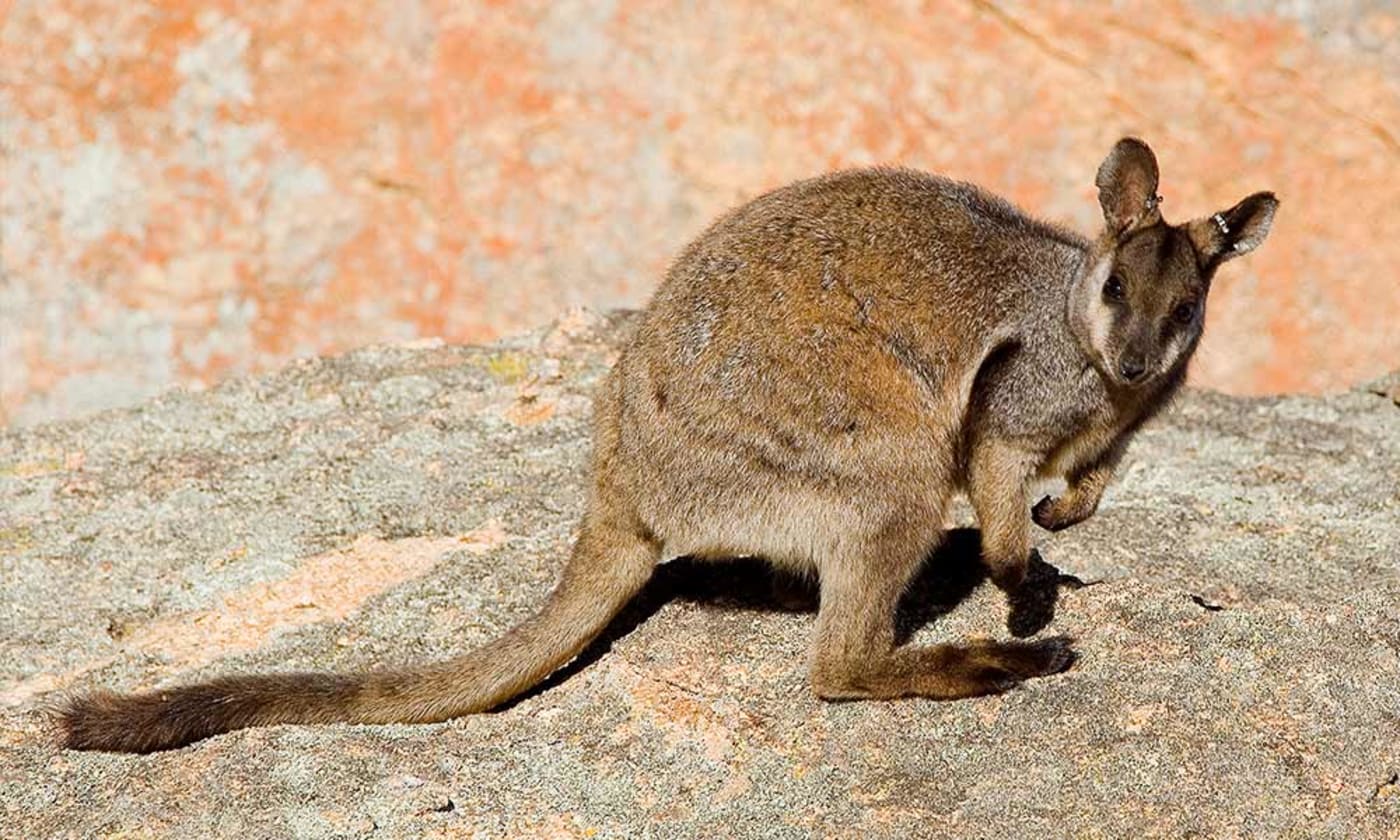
[855, 657]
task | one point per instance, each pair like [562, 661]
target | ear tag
[1220, 223]
[1152, 202]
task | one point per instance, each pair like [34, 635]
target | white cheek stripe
[1100, 322]
[1098, 316]
[1173, 351]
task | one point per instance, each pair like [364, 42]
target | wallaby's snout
[1132, 366]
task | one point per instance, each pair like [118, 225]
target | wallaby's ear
[1234, 232]
[1127, 183]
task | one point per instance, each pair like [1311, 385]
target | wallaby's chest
[1083, 444]
[1086, 425]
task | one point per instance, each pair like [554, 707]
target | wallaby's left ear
[1234, 232]
[1127, 182]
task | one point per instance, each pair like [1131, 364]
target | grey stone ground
[1238, 672]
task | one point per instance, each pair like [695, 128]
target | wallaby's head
[1139, 305]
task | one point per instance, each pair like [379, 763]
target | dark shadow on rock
[1032, 607]
[948, 576]
[955, 569]
[744, 583]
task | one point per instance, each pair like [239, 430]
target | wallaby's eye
[1184, 312]
[1113, 288]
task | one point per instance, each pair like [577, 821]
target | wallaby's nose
[1131, 368]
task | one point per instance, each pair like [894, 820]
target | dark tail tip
[169, 718]
[95, 721]
[108, 722]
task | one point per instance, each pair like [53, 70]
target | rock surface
[193, 189]
[1238, 669]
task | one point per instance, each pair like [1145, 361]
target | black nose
[1132, 369]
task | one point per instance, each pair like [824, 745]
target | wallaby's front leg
[1081, 498]
[998, 481]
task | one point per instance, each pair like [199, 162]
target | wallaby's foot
[1056, 513]
[1003, 665]
[944, 672]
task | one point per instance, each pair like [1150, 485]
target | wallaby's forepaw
[1056, 513]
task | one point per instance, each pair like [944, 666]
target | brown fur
[819, 373]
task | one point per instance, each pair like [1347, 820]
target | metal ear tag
[1152, 202]
[1220, 223]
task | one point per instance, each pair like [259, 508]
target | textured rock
[1238, 672]
[193, 189]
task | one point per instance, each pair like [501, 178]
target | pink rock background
[193, 190]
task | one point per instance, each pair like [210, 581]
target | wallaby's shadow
[947, 577]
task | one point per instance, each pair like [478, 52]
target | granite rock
[1237, 621]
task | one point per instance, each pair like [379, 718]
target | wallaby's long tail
[602, 577]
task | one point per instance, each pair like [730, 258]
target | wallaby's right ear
[1127, 183]
[1234, 232]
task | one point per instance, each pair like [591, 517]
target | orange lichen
[324, 588]
[345, 175]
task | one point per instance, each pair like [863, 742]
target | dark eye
[1113, 288]
[1184, 312]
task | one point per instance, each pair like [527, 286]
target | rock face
[192, 190]
[1238, 670]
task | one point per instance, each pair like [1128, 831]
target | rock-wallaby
[819, 373]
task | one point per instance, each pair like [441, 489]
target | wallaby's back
[825, 336]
